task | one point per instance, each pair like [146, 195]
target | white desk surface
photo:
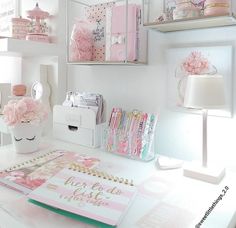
[165, 199]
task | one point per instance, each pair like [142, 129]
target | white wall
[144, 87]
[125, 86]
[10, 69]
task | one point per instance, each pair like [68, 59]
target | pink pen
[132, 132]
[111, 118]
[135, 134]
[140, 133]
[111, 131]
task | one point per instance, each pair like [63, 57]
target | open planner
[86, 194]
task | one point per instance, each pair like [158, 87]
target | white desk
[167, 197]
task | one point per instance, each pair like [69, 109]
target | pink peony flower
[24, 110]
[195, 63]
[30, 103]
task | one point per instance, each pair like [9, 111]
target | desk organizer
[76, 125]
[130, 134]
[104, 31]
[20, 28]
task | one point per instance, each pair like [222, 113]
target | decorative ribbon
[117, 39]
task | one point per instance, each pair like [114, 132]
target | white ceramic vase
[26, 137]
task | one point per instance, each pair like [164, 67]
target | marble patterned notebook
[87, 193]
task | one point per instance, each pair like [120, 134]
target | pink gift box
[216, 7]
[20, 28]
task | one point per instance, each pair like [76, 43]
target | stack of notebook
[68, 183]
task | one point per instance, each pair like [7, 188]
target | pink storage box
[20, 28]
[118, 33]
[216, 7]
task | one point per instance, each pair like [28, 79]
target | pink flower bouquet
[25, 110]
[195, 63]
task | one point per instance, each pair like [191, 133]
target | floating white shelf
[193, 23]
[107, 63]
[15, 47]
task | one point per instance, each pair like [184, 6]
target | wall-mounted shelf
[24, 48]
[107, 63]
[98, 33]
[193, 23]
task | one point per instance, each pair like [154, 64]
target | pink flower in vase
[24, 110]
[30, 104]
[195, 63]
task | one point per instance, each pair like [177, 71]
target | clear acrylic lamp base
[211, 174]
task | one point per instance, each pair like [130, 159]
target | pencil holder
[130, 134]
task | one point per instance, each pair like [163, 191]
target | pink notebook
[29, 175]
[88, 193]
[118, 33]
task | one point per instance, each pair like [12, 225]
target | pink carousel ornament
[38, 27]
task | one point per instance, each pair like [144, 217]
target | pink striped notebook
[88, 193]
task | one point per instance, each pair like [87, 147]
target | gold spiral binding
[92, 172]
[27, 162]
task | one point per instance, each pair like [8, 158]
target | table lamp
[204, 92]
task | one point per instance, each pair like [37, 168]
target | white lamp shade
[204, 92]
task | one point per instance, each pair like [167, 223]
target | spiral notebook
[30, 174]
[86, 194]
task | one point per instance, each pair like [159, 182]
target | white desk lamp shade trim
[204, 92]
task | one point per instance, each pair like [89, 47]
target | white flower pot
[26, 137]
